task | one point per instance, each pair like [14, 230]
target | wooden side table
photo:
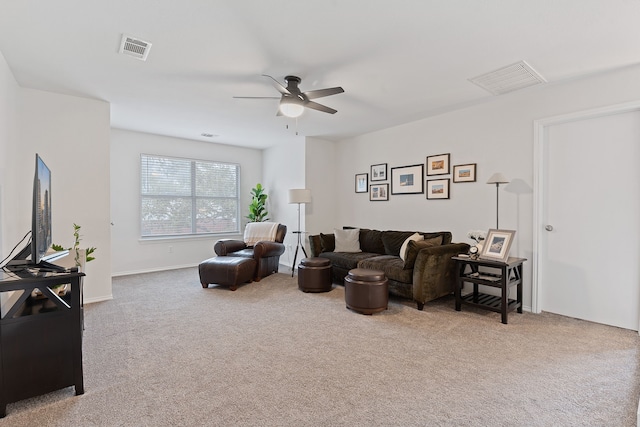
[510, 274]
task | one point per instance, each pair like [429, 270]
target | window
[181, 197]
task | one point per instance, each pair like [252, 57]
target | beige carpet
[166, 352]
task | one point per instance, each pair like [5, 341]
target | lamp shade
[299, 195]
[498, 178]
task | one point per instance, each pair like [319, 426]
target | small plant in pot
[80, 256]
[258, 207]
[75, 249]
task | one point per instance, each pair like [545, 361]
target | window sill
[160, 239]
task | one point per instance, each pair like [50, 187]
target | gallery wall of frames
[434, 178]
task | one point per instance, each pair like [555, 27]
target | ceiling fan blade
[320, 107]
[313, 94]
[283, 90]
[256, 97]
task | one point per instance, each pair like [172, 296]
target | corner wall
[9, 91]
[284, 169]
[72, 136]
[134, 255]
[321, 177]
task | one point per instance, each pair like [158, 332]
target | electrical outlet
[170, 249]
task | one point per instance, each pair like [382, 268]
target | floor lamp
[497, 179]
[299, 196]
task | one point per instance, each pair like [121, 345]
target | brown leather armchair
[267, 254]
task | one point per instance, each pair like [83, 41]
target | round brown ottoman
[314, 275]
[366, 291]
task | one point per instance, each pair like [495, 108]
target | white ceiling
[398, 61]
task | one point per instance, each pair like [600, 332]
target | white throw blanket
[260, 231]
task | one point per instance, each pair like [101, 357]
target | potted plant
[80, 255]
[257, 208]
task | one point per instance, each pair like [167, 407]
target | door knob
[548, 227]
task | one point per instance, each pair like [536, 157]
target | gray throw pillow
[347, 240]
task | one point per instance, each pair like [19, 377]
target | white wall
[72, 136]
[9, 138]
[133, 255]
[498, 136]
[321, 178]
[9, 91]
[284, 169]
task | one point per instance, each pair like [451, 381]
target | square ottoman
[226, 271]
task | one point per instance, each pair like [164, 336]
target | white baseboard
[98, 299]
[152, 270]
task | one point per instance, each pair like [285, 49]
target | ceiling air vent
[509, 78]
[135, 47]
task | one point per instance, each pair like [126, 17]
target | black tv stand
[40, 336]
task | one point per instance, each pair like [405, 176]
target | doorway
[587, 217]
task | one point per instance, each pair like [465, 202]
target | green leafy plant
[77, 238]
[257, 208]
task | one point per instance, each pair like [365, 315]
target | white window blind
[185, 197]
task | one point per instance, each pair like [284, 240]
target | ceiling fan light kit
[293, 101]
[290, 108]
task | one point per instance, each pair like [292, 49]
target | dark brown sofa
[428, 272]
[266, 254]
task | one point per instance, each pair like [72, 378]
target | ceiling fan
[293, 101]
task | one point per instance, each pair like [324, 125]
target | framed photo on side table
[407, 179]
[378, 192]
[438, 165]
[362, 182]
[438, 188]
[497, 244]
[379, 172]
[464, 173]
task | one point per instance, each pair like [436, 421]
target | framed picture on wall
[378, 192]
[379, 172]
[362, 182]
[407, 179]
[497, 244]
[464, 173]
[438, 165]
[438, 188]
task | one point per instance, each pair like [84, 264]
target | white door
[590, 251]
